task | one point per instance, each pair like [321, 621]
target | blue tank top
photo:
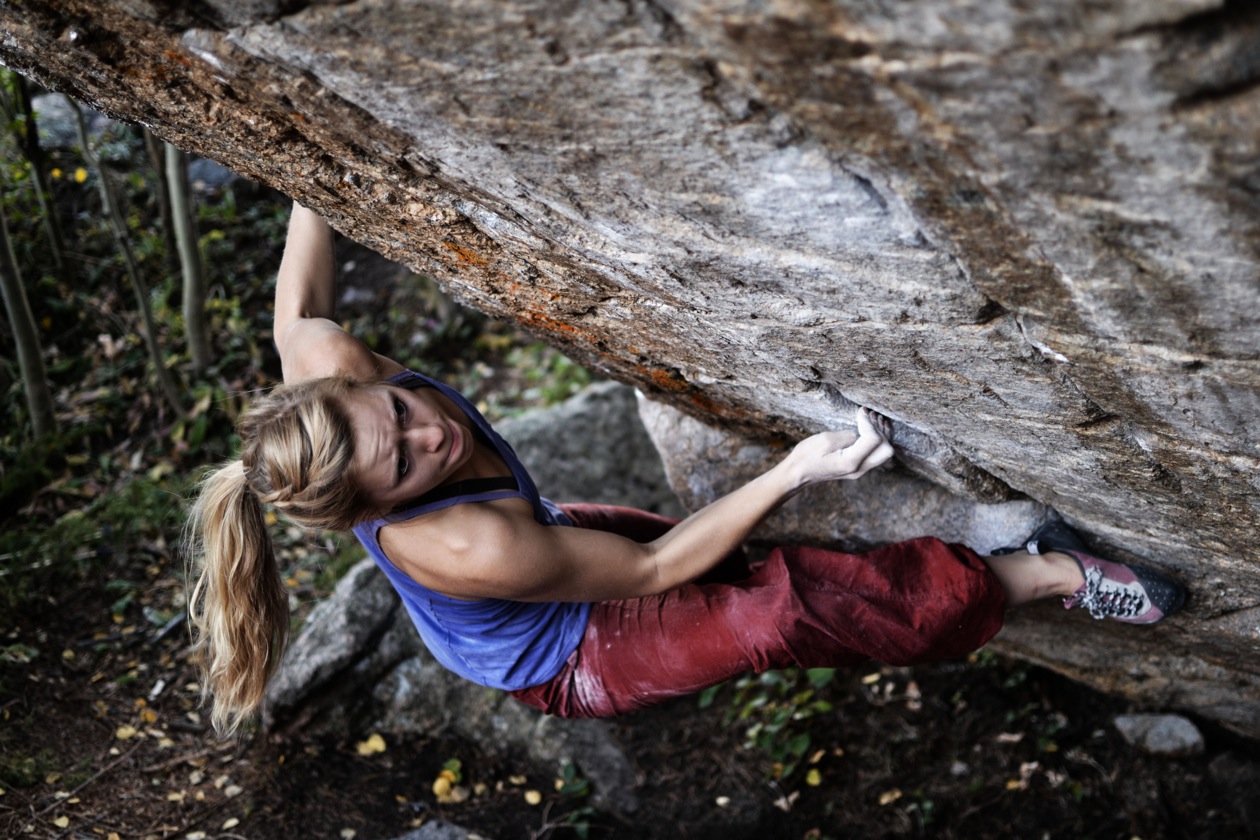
[493, 642]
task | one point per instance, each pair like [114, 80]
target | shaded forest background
[101, 734]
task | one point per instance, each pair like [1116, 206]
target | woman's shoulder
[313, 348]
[464, 550]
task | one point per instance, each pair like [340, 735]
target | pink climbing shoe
[1121, 591]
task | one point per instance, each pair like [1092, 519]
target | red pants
[913, 602]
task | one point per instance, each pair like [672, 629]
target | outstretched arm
[310, 342]
[514, 558]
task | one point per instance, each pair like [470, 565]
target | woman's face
[405, 442]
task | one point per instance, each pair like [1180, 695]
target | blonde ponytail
[296, 449]
[238, 606]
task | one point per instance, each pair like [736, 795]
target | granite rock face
[1029, 233]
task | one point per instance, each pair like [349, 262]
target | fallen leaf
[889, 796]
[533, 797]
[231, 823]
[348, 833]
[374, 744]
[123, 733]
[813, 778]
[785, 803]
[61, 822]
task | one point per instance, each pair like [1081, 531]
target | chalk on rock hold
[1172, 736]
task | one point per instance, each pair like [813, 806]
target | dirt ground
[101, 736]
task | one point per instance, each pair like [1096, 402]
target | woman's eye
[402, 467]
[399, 408]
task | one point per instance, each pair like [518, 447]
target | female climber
[578, 610]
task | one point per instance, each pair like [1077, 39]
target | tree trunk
[26, 336]
[156, 151]
[118, 224]
[34, 151]
[189, 258]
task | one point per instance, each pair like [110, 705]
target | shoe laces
[1105, 598]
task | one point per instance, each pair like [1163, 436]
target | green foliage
[20, 770]
[40, 560]
[775, 708]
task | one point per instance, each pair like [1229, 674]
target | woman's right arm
[492, 553]
[310, 342]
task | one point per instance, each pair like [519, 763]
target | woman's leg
[1031, 577]
[917, 601]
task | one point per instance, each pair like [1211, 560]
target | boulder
[1027, 232]
[1170, 736]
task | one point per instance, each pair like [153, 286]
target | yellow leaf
[348, 833]
[61, 822]
[870, 678]
[56, 173]
[374, 744]
[533, 797]
[123, 733]
[175, 796]
[80, 175]
[889, 796]
[113, 835]
[516, 780]
[813, 778]
[441, 787]
[231, 823]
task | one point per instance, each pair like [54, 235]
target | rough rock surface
[1028, 232]
[1172, 736]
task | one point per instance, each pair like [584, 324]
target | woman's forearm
[702, 540]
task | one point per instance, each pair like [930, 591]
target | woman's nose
[427, 437]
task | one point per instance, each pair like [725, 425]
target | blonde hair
[296, 450]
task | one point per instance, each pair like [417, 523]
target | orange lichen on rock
[466, 255]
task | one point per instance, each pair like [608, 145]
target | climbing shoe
[1121, 591]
